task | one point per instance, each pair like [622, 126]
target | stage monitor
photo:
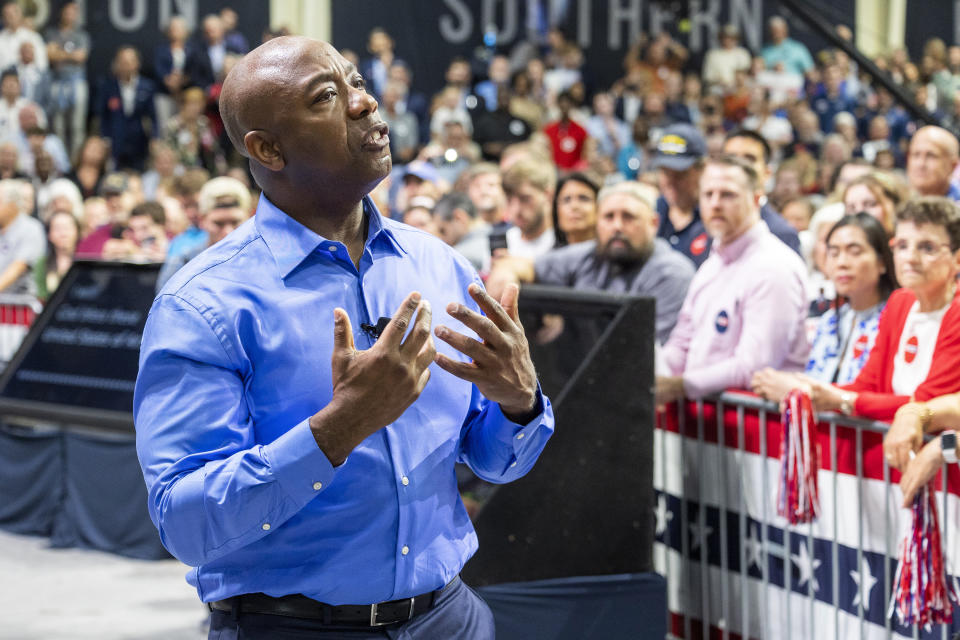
[78, 364]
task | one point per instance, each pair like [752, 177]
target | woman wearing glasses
[917, 348]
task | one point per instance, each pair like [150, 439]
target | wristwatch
[948, 444]
[847, 400]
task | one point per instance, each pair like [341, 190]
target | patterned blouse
[843, 341]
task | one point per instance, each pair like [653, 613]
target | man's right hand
[373, 388]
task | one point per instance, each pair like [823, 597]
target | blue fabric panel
[105, 500]
[627, 606]
[31, 476]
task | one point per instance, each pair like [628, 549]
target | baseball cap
[680, 146]
[421, 169]
[114, 184]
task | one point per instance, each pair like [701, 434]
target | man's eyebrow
[330, 76]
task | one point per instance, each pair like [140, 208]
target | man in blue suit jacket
[126, 111]
[206, 57]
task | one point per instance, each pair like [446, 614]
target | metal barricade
[17, 313]
[735, 569]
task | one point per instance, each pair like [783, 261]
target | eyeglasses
[926, 248]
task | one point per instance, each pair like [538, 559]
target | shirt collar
[730, 252]
[290, 242]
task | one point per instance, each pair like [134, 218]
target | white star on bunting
[863, 588]
[807, 565]
[700, 534]
[662, 514]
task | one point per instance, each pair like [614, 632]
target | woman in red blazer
[917, 351]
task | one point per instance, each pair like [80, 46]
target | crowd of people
[794, 224]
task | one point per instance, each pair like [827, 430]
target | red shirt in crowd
[567, 139]
[874, 385]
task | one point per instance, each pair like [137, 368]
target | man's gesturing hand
[373, 388]
[501, 367]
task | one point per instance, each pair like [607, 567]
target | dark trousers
[459, 614]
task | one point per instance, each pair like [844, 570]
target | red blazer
[876, 399]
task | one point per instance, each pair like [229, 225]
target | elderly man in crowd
[224, 205]
[931, 159]
[22, 241]
[746, 305]
[626, 257]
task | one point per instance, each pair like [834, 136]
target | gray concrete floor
[75, 594]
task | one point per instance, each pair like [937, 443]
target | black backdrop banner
[141, 23]
[429, 33]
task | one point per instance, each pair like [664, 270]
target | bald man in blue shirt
[298, 452]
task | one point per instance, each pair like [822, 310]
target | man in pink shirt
[746, 305]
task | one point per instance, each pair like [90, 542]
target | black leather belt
[359, 615]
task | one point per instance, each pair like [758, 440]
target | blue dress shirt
[236, 357]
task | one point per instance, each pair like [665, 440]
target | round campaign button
[699, 244]
[723, 322]
[910, 349]
[568, 145]
[516, 127]
[859, 346]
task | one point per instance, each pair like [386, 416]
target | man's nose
[361, 103]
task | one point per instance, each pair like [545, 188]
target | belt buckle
[374, 610]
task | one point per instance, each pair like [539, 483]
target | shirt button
[513, 464]
[266, 526]
[519, 436]
[332, 247]
[317, 486]
[405, 480]
[405, 550]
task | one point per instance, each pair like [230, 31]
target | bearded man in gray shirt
[625, 257]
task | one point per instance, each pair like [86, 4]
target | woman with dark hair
[63, 232]
[90, 166]
[860, 262]
[575, 209]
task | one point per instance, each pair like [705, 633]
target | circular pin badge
[910, 349]
[699, 244]
[568, 145]
[723, 322]
[860, 346]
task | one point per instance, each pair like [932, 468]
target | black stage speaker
[586, 508]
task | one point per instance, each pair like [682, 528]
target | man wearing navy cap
[679, 164]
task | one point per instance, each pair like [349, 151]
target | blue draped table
[80, 488]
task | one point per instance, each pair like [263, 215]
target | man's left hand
[501, 369]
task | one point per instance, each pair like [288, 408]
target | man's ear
[262, 147]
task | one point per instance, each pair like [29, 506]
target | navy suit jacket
[163, 62]
[198, 66]
[129, 135]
